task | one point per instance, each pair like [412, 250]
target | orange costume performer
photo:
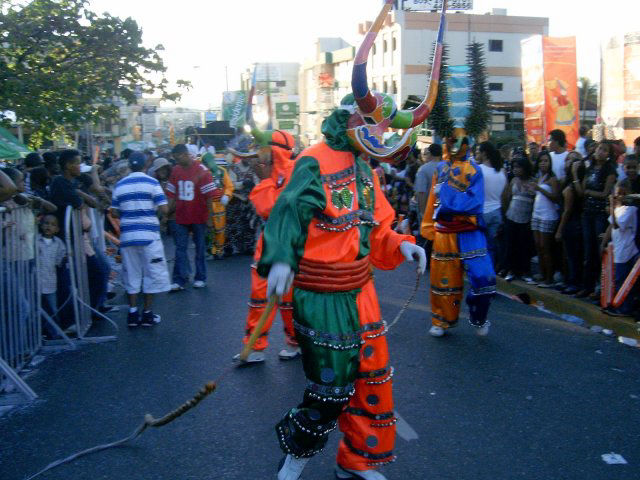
[330, 226]
[263, 197]
[223, 184]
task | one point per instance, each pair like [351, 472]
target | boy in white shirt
[51, 254]
[624, 224]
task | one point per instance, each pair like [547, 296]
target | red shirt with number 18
[191, 187]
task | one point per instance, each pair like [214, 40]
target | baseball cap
[158, 163]
[137, 160]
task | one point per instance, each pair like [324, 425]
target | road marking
[403, 429]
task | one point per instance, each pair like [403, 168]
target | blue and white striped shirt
[137, 197]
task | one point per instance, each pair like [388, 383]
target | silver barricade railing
[77, 240]
[20, 329]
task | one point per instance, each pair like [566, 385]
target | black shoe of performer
[149, 319]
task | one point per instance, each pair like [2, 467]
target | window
[394, 87]
[374, 48]
[495, 87]
[385, 87]
[374, 87]
[495, 45]
[384, 46]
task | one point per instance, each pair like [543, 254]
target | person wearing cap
[138, 199]
[224, 189]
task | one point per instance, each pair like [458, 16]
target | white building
[324, 80]
[400, 59]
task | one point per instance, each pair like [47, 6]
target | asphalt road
[537, 399]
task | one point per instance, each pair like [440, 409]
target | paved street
[537, 399]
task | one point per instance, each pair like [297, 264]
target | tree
[440, 120]
[588, 93]
[479, 114]
[62, 65]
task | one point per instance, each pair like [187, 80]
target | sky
[205, 38]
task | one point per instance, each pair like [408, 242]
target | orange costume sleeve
[428, 226]
[264, 196]
[385, 242]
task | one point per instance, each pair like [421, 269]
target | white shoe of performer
[254, 357]
[290, 467]
[343, 473]
[436, 331]
[483, 331]
[289, 352]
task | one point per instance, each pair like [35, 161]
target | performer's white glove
[279, 280]
[224, 199]
[412, 253]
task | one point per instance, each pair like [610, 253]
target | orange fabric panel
[445, 274]
[428, 226]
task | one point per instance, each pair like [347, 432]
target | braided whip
[150, 421]
[208, 389]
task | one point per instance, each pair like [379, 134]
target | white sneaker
[343, 473]
[254, 357]
[199, 284]
[175, 287]
[483, 331]
[436, 331]
[289, 353]
[290, 467]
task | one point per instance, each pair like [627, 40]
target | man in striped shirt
[137, 200]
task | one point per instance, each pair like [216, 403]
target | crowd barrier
[21, 312]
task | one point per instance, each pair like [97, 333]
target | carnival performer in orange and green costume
[274, 169]
[329, 228]
[453, 221]
[224, 185]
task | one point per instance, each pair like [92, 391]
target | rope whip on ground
[208, 389]
[150, 421]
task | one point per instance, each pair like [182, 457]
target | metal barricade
[20, 329]
[77, 241]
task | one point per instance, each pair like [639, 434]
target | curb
[562, 304]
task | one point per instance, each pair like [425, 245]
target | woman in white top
[545, 216]
[495, 181]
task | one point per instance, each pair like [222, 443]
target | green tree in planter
[62, 65]
[440, 120]
[479, 113]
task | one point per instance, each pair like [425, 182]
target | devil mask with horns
[374, 113]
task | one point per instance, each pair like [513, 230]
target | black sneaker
[133, 319]
[149, 319]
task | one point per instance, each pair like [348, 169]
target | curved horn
[365, 99]
[413, 118]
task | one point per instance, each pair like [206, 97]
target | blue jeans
[98, 270]
[181, 267]
[493, 220]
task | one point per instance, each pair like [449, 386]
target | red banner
[561, 86]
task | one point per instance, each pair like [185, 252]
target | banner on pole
[234, 107]
[533, 88]
[561, 86]
[550, 87]
[459, 84]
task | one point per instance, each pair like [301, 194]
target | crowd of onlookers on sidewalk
[549, 214]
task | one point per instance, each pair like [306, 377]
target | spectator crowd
[550, 213]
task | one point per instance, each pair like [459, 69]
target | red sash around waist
[336, 277]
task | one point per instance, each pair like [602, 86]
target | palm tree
[588, 93]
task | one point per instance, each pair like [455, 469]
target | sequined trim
[384, 380]
[328, 393]
[365, 454]
[336, 177]
[484, 290]
[373, 416]
[373, 373]
[364, 217]
[330, 340]
[445, 291]
[445, 256]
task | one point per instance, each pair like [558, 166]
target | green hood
[334, 129]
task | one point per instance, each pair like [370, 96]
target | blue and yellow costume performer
[453, 221]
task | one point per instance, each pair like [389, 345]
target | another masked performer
[224, 185]
[242, 220]
[453, 221]
[330, 226]
[274, 168]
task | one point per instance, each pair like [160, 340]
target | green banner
[286, 110]
[234, 107]
[286, 124]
